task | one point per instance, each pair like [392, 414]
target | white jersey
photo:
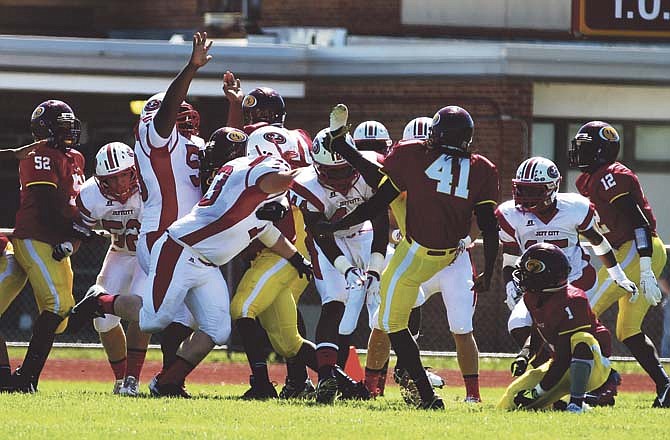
[308, 193]
[224, 222]
[122, 220]
[574, 213]
[169, 173]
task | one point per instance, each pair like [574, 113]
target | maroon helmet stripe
[110, 159]
[418, 130]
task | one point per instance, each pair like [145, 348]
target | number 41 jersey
[442, 191]
[224, 222]
[122, 220]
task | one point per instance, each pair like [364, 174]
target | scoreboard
[621, 18]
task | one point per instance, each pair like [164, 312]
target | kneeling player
[562, 316]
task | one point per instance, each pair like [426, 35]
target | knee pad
[286, 342]
[220, 332]
[103, 325]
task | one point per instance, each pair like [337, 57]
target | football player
[445, 185]
[417, 129]
[347, 263]
[563, 317]
[264, 108]
[21, 153]
[372, 136]
[167, 151]
[185, 261]
[43, 239]
[539, 213]
[628, 223]
[111, 198]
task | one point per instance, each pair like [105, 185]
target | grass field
[87, 410]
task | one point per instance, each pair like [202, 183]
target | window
[652, 142]
[542, 142]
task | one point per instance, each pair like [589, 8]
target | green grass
[86, 410]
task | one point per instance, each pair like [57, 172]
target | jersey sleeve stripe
[41, 182]
[387, 177]
[581, 327]
[618, 196]
[587, 220]
[244, 206]
[307, 195]
[506, 226]
[484, 202]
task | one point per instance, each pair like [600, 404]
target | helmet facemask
[67, 131]
[534, 197]
[188, 120]
[339, 178]
[119, 186]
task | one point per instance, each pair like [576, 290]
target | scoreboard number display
[617, 18]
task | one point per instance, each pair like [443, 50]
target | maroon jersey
[606, 185]
[562, 313]
[65, 172]
[3, 243]
[442, 191]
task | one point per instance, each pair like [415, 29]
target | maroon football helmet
[56, 120]
[595, 144]
[224, 145]
[188, 120]
[264, 104]
[542, 268]
[452, 129]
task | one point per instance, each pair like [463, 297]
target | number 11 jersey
[442, 191]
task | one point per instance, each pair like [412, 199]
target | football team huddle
[374, 223]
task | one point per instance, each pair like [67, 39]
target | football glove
[322, 228]
[514, 295]
[272, 211]
[648, 283]
[525, 398]
[519, 366]
[62, 250]
[303, 266]
[372, 289]
[620, 279]
[355, 277]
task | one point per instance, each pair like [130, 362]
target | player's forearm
[628, 207]
[283, 248]
[559, 365]
[488, 224]
[235, 118]
[166, 118]
[371, 208]
[370, 171]
[380, 238]
[601, 247]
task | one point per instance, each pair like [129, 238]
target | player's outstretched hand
[273, 211]
[200, 54]
[482, 283]
[232, 87]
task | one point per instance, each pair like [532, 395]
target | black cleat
[22, 383]
[85, 310]
[355, 391]
[408, 389]
[434, 403]
[662, 400]
[326, 390]
[604, 395]
[167, 389]
[295, 390]
[259, 391]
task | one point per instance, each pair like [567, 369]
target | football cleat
[408, 389]
[86, 309]
[326, 390]
[604, 396]
[435, 380]
[662, 400]
[355, 391]
[131, 387]
[259, 390]
[434, 403]
[20, 383]
[293, 390]
[118, 383]
[167, 390]
[472, 399]
[576, 409]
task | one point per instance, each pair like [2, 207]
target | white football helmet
[417, 128]
[332, 170]
[536, 184]
[276, 141]
[115, 171]
[372, 136]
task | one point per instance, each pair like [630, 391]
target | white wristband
[539, 390]
[602, 248]
[645, 264]
[376, 264]
[510, 260]
[342, 264]
[616, 273]
[467, 241]
[270, 236]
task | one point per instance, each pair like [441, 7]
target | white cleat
[338, 117]
[117, 386]
[435, 380]
[576, 409]
[131, 387]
